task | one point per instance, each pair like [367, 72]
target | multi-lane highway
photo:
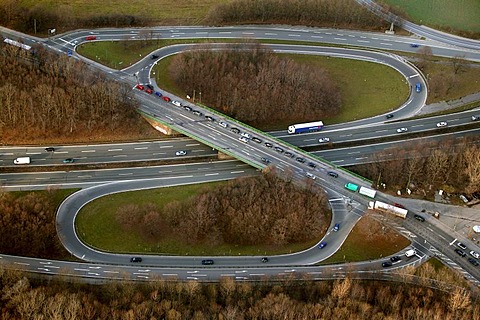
[252, 152]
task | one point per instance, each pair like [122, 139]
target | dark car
[265, 160]
[322, 245]
[188, 108]
[389, 116]
[473, 261]
[158, 94]
[136, 259]
[209, 118]
[49, 149]
[257, 140]
[301, 160]
[268, 144]
[460, 252]
[68, 160]
[312, 165]
[207, 262]
[264, 259]
[149, 86]
[395, 259]
[414, 45]
[278, 149]
[289, 154]
[419, 218]
[386, 264]
[336, 227]
[332, 174]
[235, 130]
[461, 245]
[197, 113]
[398, 205]
[154, 56]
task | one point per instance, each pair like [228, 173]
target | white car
[181, 153]
[324, 140]
[474, 254]
[223, 124]
[246, 135]
[243, 139]
[442, 124]
[311, 176]
[400, 130]
[176, 103]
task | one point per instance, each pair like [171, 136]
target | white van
[410, 253]
[22, 160]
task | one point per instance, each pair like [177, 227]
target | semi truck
[388, 208]
[22, 160]
[305, 127]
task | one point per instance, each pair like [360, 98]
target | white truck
[410, 253]
[22, 160]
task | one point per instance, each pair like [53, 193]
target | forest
[247, 211]
[320, 13]
[291, 299]
[50, 97]
[424, 167]
[252, 84]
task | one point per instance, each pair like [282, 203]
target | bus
[351, 186]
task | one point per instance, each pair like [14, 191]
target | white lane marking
[341, 39]
[140, 148]
[163, 147]
[119, 156]
[30, 153]
[318, 37]
[22, 263]
[386, 44]
[77, 269]
[158, 153]
[363, 41]
[192, 144]
[125, 174]
[169, 274]
[88, 150]
[453, 241]
[6, 154]
[233, 172]
[108, 271]
[211, 174]
[270, 34]
[293, 35]
[115, 150]
[256, 274]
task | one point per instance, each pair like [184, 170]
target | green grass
[461, 15]
[359, 247]
[166, 12]
[96, 226]
[367, 88]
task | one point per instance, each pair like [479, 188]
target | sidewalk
[446, 105]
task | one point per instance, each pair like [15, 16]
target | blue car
[322, 245]
[418, 87]
[414, 45]
[336, 227]
[158, 94]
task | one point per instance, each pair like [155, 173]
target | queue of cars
[462, 252]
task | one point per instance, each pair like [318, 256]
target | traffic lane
[81, 178]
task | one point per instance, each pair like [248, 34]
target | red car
[398, 205]
[166, 98]
[88, 38]
[149, 91]
[139, 87]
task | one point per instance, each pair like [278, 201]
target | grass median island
[221, 218]
[368, 240]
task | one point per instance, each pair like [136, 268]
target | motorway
[228, 142]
